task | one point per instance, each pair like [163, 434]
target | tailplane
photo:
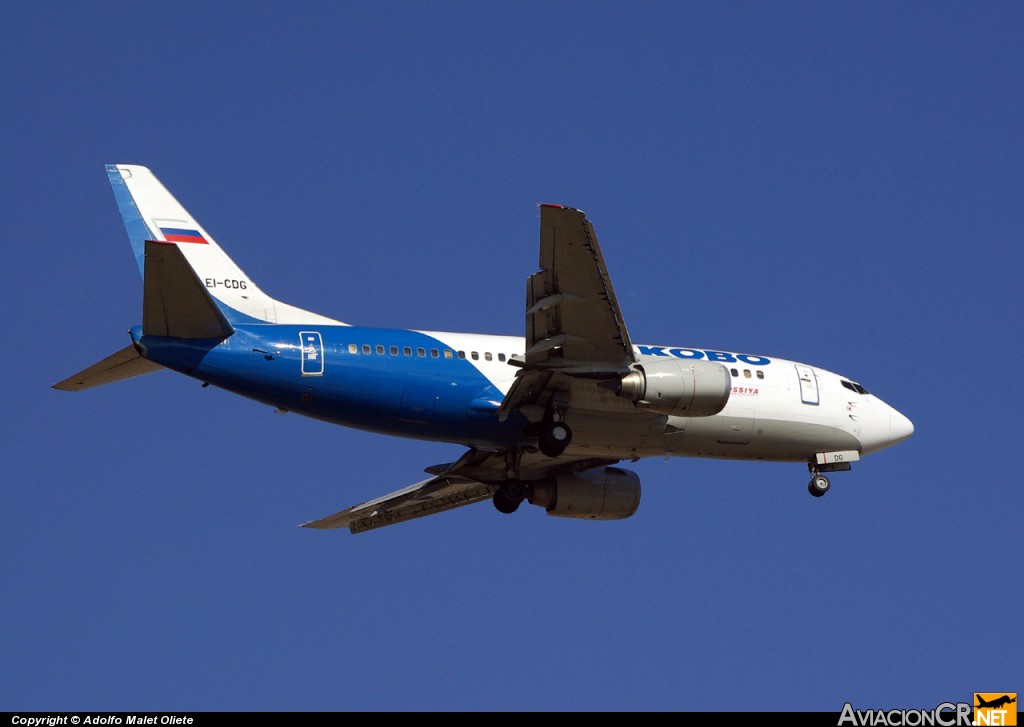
[124, 364]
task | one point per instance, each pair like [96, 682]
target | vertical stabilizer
[150, 212]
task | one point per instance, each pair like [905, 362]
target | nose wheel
[828, 462]
[818, 485]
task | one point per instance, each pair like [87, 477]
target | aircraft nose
[899, 427]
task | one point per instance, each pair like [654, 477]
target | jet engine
[678, 387]
[608, 494]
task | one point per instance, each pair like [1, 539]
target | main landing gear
[509, 496]
[554, 438]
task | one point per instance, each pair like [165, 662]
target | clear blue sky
[837, 183]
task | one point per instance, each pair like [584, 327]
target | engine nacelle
[677, 387]
[608, 494]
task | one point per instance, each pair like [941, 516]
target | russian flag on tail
[182, 234]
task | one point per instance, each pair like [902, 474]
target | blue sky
[833, 183]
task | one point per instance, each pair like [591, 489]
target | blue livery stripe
[137, 230]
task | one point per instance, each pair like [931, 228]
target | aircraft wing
[575, 338]
[432, 495]
[473, 478]
[574, 326]
[572, 316]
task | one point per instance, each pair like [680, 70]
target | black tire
[818, 485]
[509, 497]
[554, 438]
[503, 504]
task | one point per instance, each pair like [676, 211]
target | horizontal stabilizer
[124, 364]
[436, 494]
[175, 302]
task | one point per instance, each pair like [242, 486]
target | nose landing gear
[828, 462]
[818, 485]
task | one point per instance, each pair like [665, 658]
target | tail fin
[152, 215]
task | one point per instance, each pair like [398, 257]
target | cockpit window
[853, 387]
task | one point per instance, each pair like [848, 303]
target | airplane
[995, 703]
[545, 417]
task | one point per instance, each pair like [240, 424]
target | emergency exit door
[312, 345]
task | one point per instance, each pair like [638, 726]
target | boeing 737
[995, 703]
[545, 417]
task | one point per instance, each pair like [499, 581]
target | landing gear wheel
[554, 438]
[818, 485]
[509, 497]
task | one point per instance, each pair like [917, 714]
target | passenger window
[448, 353]
[434, 353]
[475, 355]
[760, 374]
[380, 350]
[407, 351]
[421, 352]
[501, 357]
[734, 372]
[487, 356]
[352, 348]
[746, 373]
[462, 355]
[366, 348]
[393, 350]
